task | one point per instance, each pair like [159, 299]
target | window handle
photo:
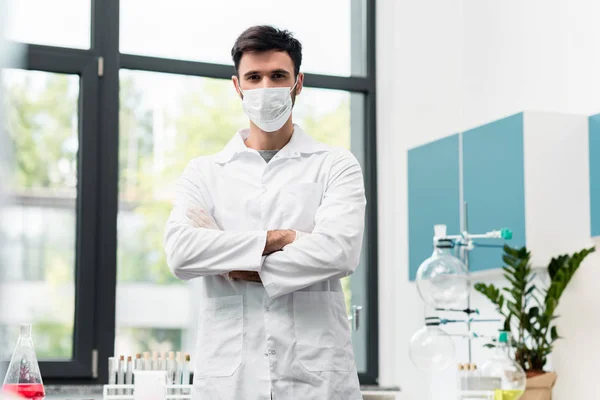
[354, 317]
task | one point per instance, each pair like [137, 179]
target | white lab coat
[289, 339]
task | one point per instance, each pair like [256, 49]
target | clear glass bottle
[509, 373]
[442, 279]
[431, 349]
[23, 375]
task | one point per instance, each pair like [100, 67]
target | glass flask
[23, 376]
[431, 349]
[442, 279]
[509, 373]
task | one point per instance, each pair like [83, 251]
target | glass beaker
[23, 375]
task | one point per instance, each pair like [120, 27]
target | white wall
[447, 65]
[419, 99]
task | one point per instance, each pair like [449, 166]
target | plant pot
[539, 385]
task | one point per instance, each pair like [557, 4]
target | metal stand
[465, 244]
[464, 254]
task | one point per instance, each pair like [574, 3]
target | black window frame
[97, 200]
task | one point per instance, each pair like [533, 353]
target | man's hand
[278, 239]
[250, 276]
[201, 219]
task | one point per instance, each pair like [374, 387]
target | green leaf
[507, 322]
[534, 312]
[511, 280]
[529, 291]
[555, 265]
[537, 300]
[543, 321]
[554, 334]
[512, 307]
[561, 270]
[489, 291]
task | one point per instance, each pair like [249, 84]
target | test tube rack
[127, 392]
[148, 385]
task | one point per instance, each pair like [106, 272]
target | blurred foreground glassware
[511, 377]
[23, 375]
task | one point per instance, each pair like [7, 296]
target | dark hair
[264, 38]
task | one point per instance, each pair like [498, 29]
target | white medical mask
[269, 108]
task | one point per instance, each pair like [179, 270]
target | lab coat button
[267, 308]
[272, 352]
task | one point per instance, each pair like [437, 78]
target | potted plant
[530, 312]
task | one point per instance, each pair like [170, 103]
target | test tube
[121, 373]
[185, 376]
[476, 385]
[139, 365]
[112, 374]
[147, 361]
[154, 360]
[179, 368]
[171, 370]
[469, 376]
[162, 362]
[129, 375]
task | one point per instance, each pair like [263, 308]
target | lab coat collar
[300, 143]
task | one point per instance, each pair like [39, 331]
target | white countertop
[94, 392]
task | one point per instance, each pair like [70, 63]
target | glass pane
[194, 30]
[337, 118]
[359, 289]
[38, 225]
[165, 121]
[64, 23]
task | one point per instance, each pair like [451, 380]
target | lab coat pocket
[323, 340]
[301, 202]
[220, 337]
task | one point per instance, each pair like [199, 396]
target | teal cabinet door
[494, 186]
[594, 124]
[433, 196]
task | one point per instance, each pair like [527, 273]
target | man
[270, 224]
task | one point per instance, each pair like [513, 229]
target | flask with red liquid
[23, 376]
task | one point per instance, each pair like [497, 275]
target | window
[165, 121]
[43, 247]
[38, 226]
[64, 23]
[325, 28]
[84, 229]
